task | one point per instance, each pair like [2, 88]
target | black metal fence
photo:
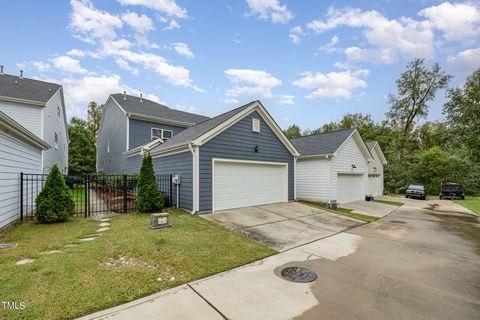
[93, 194]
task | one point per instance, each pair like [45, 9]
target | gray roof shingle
[149, 108]
[190, 134]
[325, 143]
[26, 89]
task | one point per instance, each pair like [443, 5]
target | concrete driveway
[370, 208]
[285, 225]
[420, 262]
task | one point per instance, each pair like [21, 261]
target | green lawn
[341, 211]
[127, 262]
[471, 203]
[392, 203]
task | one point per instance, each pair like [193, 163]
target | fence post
[124, 193]
[21, 196]
[85, 194]
[170, 198]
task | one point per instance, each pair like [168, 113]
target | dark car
[452, 191]
[416, 191]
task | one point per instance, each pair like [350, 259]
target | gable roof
[374, 145]
[322, 144]
[204, 131]
[27, 90]
[145, 109]
[20, 131]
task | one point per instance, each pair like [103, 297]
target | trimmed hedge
[149, 197]
[55, 202]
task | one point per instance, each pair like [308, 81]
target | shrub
[55, 202]
[149, 197]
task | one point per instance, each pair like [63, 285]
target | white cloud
[41, 66]
[67, 64]
[76, 53]
[140, 23]
[168, 7]
[296, 34]
[190, 109]
[333, 84]
[330, 46]
[287, 99]
[467, 60]
[182, 49]
[270, 9]
[458, 21]
[91, 23]
[172, 25]
[259, 82]
[375, 56]
[125, 66]
[231, 101]
[407, 37]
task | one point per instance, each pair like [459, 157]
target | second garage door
[239, 184]
[349, 187]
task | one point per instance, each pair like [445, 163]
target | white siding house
[375, 169]
[33, 135]
[332, 166]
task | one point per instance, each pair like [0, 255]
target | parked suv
[416, 191]
[452, 191]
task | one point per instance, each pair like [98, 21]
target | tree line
[426, 152]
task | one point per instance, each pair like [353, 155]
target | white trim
[128, 134]
[295, 178]
[280, 164]
[379, 151]
[152, 137]
[197, 179]
[255, 125]
[329, 159]
[137, 150]
[25, 101]
[118, 104]
[361, 144]
[20, 131]
[159, 120]
[42, 124]
[177, 150]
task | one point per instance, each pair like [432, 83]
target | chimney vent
[21, 74]
[1, 69]
[141, 96]
[124, 95]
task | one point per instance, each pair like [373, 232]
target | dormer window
[161, 133]
[56, 140]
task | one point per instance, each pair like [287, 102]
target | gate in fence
[93, 194]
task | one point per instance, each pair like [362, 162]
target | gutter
[13, 126]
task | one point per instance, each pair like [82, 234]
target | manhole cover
[298, 274]
[397, 221]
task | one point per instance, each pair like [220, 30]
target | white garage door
[349, 187]
[374, 185]
[239, 184]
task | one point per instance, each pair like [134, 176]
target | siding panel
[27, 116]
[312, 179]
[238, 142]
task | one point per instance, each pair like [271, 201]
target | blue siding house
[240, 158]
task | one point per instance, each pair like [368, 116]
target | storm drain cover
[298, 274]
[397, 221]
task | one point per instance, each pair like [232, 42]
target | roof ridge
[319, 134]
[30, 79]
[245, 105]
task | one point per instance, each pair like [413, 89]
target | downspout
[329, 159]
[194, 178]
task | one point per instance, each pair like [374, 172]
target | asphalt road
[420, 262]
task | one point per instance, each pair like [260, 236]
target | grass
[341, 211]
[121, 265]
[471, 203]
[392, 203]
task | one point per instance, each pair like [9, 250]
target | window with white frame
[58, 112]
[56, 140]
[255, 125]
[161, 133]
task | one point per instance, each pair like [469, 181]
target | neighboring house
[238, 159]
[332, 166]
[33, 136]
[40, 108]
[375, 169]
[129, 122]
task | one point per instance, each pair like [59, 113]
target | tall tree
[293, 131]
[81, 149]
[94, 116]
[463, 114]
[416, 87]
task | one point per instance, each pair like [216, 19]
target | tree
[94, 116]
[149, 197]
[293, 132]
[81, 149]
[463, 114]
[55, 202]
[416, 87]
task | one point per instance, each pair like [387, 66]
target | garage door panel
[239, 184]
[374, 185]
[349, 187]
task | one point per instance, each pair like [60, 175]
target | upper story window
[58, 112]
[161, 133]
[56, 140]
[255, 125]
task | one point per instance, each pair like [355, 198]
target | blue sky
[309, 62]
